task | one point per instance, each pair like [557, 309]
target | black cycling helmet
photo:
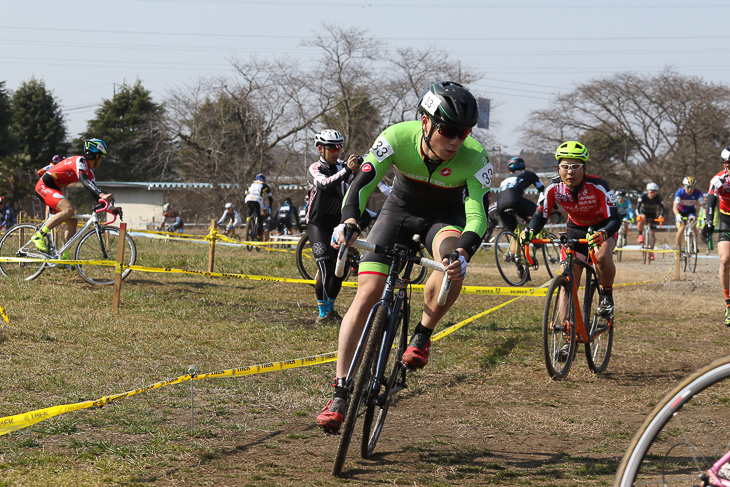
[288, 200]
[620, 193]
[516, 164]
[449, 103]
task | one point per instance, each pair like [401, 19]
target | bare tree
[639, 128]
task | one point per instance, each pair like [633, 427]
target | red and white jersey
[720, 187]
[590, 205]
[68, 171]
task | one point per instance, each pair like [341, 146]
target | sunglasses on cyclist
[570, 167]
[452, 132]
[333, 147]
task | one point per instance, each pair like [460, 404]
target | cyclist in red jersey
[61, 174]
[589, 203]
[720, 191]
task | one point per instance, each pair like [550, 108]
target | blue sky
[527, 51]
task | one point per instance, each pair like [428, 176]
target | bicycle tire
[16, 243]
[304, 259]
[658, 437]
[251, 227]
[554, 337]
[362, 379]
[551, 256]
[371, 432]
[693, 252]
[90, 248]
[308, 267]
[598, 350]
[509, 264]
[645, 246]
[620, 244]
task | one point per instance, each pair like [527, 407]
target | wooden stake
[118, 269]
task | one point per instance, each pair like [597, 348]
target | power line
[86, 32]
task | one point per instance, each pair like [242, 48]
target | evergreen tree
[6, 144]
[37, 124]
[127, 123]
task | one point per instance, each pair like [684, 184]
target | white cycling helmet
[166, 206]
[328, 137]
[689, 181]
[229, 205]
[725, 154]
[652, 187]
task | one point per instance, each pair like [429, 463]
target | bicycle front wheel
[512, 266]
[394, 383]
[693, 252]
[600, 329]
[16, 243]
[558, 329]
[684, 435]
[362, 384]
[103, 246]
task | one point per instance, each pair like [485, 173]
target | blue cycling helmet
[95, 146]
[260, 177]
[516, 164]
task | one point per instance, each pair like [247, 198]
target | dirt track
[510, 424]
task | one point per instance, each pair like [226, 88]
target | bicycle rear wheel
[394, 383]
[103, 247]
[512, 266]
[551, 255]
[693, 251]
[251, 231]
[362, 384]
[558, 329]
[16, 243]
[600, 329]
[684, 435]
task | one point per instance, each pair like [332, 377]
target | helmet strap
[427, 139]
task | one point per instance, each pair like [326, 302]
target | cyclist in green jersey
[441, 192]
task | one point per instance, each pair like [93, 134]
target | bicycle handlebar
[103, 207]
[446, 282]
[342, 252]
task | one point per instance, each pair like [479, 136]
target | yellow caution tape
[5, 317]
[9, 424]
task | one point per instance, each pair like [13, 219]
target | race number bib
[484, 175]
[381, 149]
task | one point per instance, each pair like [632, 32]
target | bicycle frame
[93, 220]
[582, 335]
[392, 282]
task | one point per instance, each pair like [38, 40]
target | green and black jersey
[461, 184]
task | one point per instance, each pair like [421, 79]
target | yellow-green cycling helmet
[572, 150]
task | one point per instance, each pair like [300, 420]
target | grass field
[483, 411]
